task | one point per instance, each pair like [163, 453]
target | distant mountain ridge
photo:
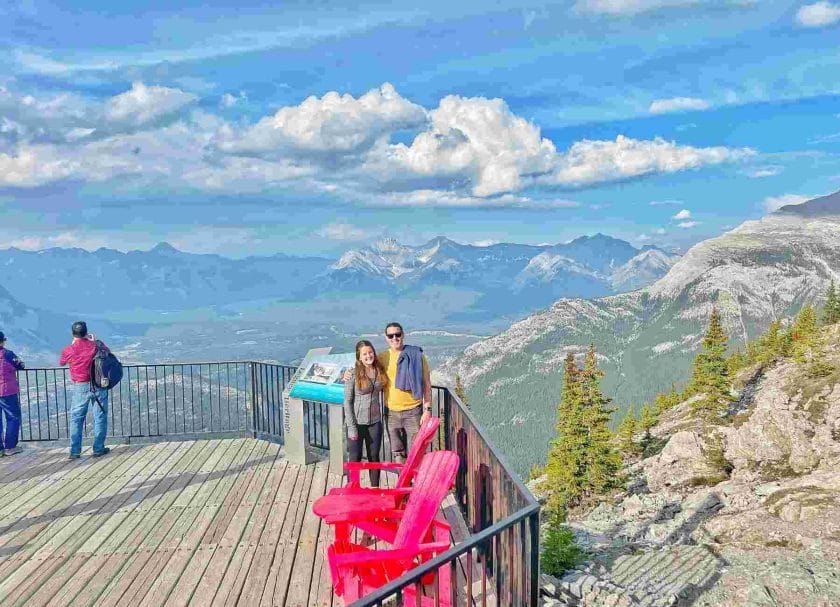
[760, 271]
[588, 266]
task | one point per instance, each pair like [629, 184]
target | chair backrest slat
[433, 481]
[419, 446]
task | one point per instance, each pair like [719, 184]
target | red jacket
[79, 355]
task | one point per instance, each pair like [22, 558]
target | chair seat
[340, 503]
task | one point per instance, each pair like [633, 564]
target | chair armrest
[348, 466]
[351, 559]
[351, 516]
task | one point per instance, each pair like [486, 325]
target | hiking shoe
[104, 451]
[12, 451]
[74, 456]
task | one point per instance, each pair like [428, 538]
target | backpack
[106, 370]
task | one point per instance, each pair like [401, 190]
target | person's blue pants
[82, 398]
[10, 413]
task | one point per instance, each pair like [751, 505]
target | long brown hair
[362, 381]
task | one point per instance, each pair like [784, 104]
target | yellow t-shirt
[396, 399]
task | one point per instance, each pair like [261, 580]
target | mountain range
[646, 339]
[164, 278]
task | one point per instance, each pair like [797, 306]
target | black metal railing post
[252, 367]
[534, 530]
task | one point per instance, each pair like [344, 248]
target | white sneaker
[12, 451]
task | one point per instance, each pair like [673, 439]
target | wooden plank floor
[209, 522]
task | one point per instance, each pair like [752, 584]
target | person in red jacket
[79, 355]
[9, 399]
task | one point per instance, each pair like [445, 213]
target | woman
[362, 410]
[9, 400]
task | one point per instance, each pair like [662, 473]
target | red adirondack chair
[357, 570]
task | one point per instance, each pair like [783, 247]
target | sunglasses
[393, 335]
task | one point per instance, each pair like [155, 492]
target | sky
[308, 128]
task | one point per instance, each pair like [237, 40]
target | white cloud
[774, 203]
[628, 7]
[484, 243]
[642, 237]
[476, 139]
[62, 239]
[334, 123]
[33, 166]
[684, 214]
[658, 203]
[660, 231]
[144, 104]
[677, 104]
[589, 162]
[229, 100]
[688, 224]
[819, 14]
[343, 231]
[766, 171]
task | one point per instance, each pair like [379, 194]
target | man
[79, 355]
[408, 395]
[9, 399]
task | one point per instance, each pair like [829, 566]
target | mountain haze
[761, 271]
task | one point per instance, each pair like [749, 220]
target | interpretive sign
[321, 378]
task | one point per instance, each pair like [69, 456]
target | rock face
[760, 529]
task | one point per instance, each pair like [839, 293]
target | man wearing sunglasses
[405, 409]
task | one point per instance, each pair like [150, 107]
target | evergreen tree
[603, 462]
[710, 374]
[565, 463]
[647, 420]
[460, 391]
[666, 400]
[804, 332]
[831, 311]
[626, 433]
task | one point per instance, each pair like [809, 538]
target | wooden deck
[210, 522]
[219, 522]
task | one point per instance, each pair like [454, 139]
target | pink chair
[357, 570]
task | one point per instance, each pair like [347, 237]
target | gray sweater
[362, 406]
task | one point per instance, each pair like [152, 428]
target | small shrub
[560, 552]
[819, 368]
[707, 481]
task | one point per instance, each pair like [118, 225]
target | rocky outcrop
[756, 522]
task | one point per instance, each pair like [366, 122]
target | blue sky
[312, 128]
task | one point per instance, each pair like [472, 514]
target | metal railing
[500, 553]
[154, 401]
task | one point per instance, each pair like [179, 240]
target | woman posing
[362, 409]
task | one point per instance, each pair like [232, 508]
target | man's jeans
[82, 398]
[403, 426]
[10, 410]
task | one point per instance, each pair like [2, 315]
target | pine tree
[666, 400]
[565, 463]
[603, 462]
[626, 433]
[647, 420]
[460, 391]
[710, 374]
[804, 332]
[831, 311]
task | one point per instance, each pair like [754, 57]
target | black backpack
[106, 370]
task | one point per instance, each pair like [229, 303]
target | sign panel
[321, 378]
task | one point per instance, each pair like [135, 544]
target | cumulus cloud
[660, 231]
[343, 231]
[334, 123]
[466, 151]
[144, 104]
[589, 162]
[687, 224]
[684, 214]
[819, 14]
[677, 104]
[229, 99]
[774, 203]
[476, 139]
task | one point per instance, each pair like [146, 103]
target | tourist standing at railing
[10, 364]
[408, 393]
[79, 355]
[363, 409]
